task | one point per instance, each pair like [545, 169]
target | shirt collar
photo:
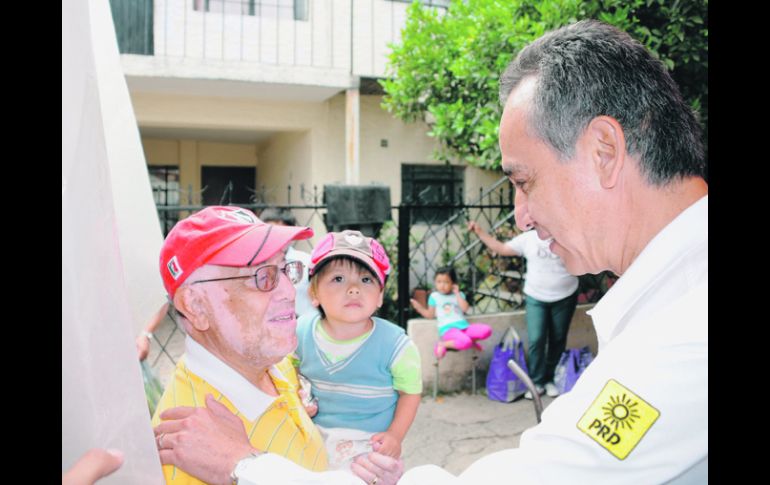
[245, 396]
[687, 231]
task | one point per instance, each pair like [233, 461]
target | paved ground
[455, 431]
[452, 431]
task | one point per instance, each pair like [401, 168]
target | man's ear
[190, 301]
[606, 143]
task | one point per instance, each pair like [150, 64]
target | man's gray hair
[589, 69]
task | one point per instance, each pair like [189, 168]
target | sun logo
[619, 411]
[618, 419]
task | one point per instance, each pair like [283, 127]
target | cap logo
[353, 239]
[237, 215]
[174, 268]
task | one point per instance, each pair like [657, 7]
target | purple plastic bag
[571, 365]
[502, 384]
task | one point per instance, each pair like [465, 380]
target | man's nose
[521, 212]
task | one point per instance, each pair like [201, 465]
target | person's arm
[406, 410]
[491, 242]
[208, 442]
[461, 301]
[143, 340]
[429, 312]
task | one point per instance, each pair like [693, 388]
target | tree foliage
[445, 70]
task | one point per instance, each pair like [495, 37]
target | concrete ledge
[455, 367]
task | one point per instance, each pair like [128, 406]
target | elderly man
[224, 270]
[608, 166]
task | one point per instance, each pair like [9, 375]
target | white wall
[274, 37]
[285, 159]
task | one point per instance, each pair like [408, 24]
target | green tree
[445, 70]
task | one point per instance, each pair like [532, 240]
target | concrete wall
[455, 367]
[285, 159]
[191, 155]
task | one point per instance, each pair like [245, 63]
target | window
[133, 21]
[164, 181]
[283, 9]
[434, 185]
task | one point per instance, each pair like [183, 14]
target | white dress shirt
[639, 413]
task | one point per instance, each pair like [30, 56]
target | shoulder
[305, 325]
[387, 327]
[304, 322]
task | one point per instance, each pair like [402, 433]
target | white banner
[103, 403]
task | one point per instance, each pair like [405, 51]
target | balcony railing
[347, 35]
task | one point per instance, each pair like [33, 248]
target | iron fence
[440, 238]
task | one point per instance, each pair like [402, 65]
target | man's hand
[204, 442]
[385, 469]
[389, 445]
[96, 463]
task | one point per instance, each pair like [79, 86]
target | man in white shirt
[608, 164]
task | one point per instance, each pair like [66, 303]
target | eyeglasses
[266, 277]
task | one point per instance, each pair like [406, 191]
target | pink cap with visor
[224, 236]
[356, 245]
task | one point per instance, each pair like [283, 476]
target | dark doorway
[215, 180]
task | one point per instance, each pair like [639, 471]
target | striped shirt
[277, 425]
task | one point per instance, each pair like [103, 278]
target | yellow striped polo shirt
[277, 425]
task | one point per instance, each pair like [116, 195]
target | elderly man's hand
[204, 442]
[377, 469]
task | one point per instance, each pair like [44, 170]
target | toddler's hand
[312, 408]
[305, 396]
[388, 444]
[455, 289]
[413, 302]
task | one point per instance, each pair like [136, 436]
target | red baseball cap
[224, 236]
[356, 245]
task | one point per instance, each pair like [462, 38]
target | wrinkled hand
[142, 347]
[205, 442]
[96, 463]
[389, 445]
[370, 465]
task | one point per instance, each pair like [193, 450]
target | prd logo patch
[618, 419]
